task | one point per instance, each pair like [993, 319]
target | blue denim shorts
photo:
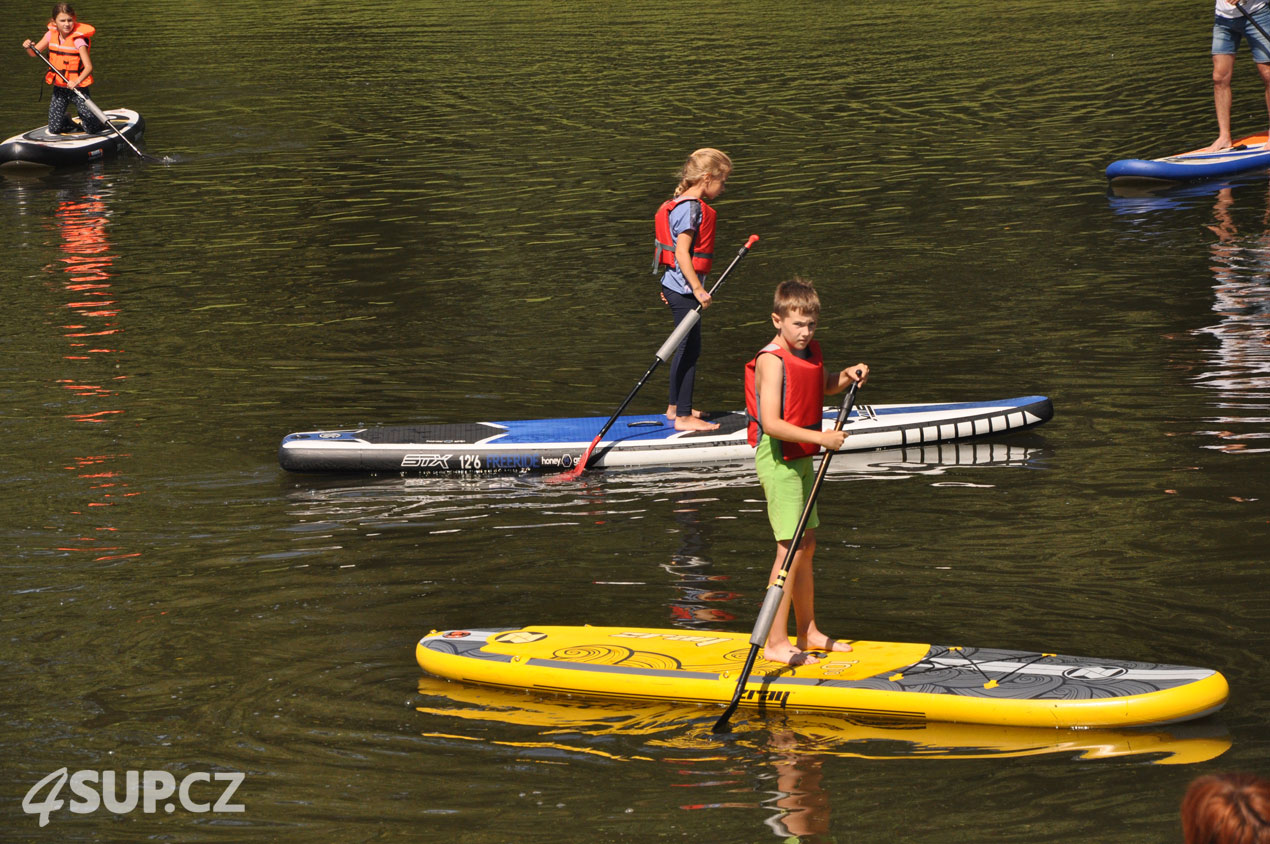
[1228, 32]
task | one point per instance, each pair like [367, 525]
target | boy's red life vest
[802, 400]
[702, 244]
[64, 55]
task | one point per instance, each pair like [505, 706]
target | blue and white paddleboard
[1245, 155]
[554, 445]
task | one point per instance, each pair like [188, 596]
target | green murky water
[392, 212]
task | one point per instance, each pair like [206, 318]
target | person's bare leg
[1263, 70]
[778, 647]
[809, 637]
[1223, 68]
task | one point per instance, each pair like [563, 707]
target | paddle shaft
[90, 105]
[776, 591]
[663, 355]
[1243, 12]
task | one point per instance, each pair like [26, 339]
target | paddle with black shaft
[775, 592]
[663, 354]
[96, 112]
[1244, 12]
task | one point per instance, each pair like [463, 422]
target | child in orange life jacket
[683, 253]
[785, 386]
[68, 42]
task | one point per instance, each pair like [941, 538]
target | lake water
[390, 212]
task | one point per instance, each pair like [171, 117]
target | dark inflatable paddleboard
[41, 148]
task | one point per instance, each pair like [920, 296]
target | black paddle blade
[721, 726]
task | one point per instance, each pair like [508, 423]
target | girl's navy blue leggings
[683, 367]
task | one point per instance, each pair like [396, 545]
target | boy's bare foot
[672, 412]
[789, 655]
[821, 642]
[694, 423]
[1217, 145]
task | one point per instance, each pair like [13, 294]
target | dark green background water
[412, 212]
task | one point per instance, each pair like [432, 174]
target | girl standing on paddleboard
[68, 42]
[683, 249]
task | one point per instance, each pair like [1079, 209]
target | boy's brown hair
[797, 294]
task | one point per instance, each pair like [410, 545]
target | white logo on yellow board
[699, 641]
[519, 637]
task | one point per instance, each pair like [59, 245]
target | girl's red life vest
[802, 399]
[702, 244]
[64, 55]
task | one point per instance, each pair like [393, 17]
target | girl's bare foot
[693, 423]
[818, 641]
[672, 412]
[788, 654]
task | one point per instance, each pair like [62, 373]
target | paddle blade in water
[580, 467]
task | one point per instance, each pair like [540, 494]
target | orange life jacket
[802, 400]
[702, 244]
[64, 55]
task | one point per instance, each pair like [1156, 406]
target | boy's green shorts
[787, 484]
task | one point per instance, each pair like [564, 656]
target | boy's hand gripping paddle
[97, 113]
[663, 354]
[775, 592]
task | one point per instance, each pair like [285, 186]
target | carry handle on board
[92, 107]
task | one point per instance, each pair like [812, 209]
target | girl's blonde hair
[706, 161]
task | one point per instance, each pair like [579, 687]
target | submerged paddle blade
[580, 467]
[721, 726]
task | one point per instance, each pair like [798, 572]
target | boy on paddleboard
[785, 387]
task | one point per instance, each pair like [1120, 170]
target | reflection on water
[450, 502]
[1237, 369]
[1234, 363]
[699, 589]
[482, 254]
[640, 732]
[90, 319]
[776, 769]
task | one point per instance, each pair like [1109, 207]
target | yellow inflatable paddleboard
[893, 681]
[667, 729]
